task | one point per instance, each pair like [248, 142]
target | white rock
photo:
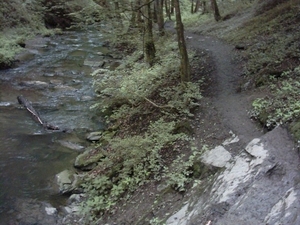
[179, 218]
[50, 211]
[217, 157]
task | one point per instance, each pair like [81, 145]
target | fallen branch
[158, 106]
[23, 101]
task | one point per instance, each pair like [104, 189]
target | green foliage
[156, 221]
[134, 92]
[284, 104]
[131, 84]
[180, 172]
[83, 12]
[272, 53]
[183, 97]
[272, 38]
[132, 162]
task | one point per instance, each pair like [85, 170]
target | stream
[54, 74]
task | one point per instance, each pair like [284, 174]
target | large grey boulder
[258, 186]
[68, 182]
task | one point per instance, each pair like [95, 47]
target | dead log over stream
[27, 104]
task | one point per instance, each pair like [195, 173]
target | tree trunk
[197, 6]
[215, 8]
[139, 19]
[185, 72]
[172, 7]
[149, 42]
[204, 7]
[167, 8]
[133, 19]
[160, 16]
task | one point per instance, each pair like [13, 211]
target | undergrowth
[283, 104]
[272, 41]
[147, 109]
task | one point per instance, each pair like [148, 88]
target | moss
[295, 129]
[89, 159]
[261, 81]
[183, 127]
[202, 171]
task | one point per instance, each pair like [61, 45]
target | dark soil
[225, 104]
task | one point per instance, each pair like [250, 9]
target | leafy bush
[141, 153]
[132, 161]
[133, 83]
[284, 103]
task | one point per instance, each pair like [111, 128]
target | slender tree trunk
[160, 16]
[133, 16]
[167, 7]
[197, 6]
[215, 8]
[154, 12]
[185, 72]
[172, 7]
[192, 7]
[139, 19]
[149, 42]
[204, 7]
[117, 14]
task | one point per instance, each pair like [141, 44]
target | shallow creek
[54, 74]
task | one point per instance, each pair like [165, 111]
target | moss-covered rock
[295, 129]
[68, 182]
[89, 159]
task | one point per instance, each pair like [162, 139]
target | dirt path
[232, 106]
[260, 183]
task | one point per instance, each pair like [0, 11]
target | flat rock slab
[260, 186]
[217, 157]
[94, 136]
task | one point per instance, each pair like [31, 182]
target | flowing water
[54, 74]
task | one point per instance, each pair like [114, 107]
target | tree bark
[149, 42]
[204, 7]
[160, 16]
[172, 7]
[215, 8]
[185, 72]
[197, 6]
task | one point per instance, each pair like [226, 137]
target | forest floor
[225, 108]
[223, 112]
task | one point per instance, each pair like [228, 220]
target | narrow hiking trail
[232, 106]
[259, 178]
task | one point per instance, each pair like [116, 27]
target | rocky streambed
[53, 73]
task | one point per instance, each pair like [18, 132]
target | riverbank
[21, 21]
[53, 73]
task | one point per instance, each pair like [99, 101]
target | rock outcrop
[258, 186]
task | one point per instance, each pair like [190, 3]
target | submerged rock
[72, 210]
[30, 211]
[35, 84]
[94, 136]
[71, 145]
